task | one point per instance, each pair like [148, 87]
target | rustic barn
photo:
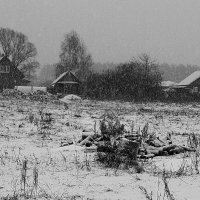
[190, 86]
[10, 76]
[191, 83]
[66, 83]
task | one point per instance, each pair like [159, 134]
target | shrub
[137, 80]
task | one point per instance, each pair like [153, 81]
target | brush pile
[116, 141]
[12, 93]
[35, 95]
[41, 96]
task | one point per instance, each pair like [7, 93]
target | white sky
[113, 30]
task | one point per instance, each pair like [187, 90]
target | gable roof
[64, 74]
[5, 60]
[190, 79]
[56, 80]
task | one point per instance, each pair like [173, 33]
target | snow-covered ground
[69, 172]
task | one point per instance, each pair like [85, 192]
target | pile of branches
[35, 95]
[152, 145]
[41, 96]
[116, 146]
[13, 93]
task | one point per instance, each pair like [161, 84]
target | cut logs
[129, 148]
[114, 139]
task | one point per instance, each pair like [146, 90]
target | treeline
[137, 80]
[170, 72]
[175, 73]
[101, 67]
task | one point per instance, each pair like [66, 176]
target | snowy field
[60, 172]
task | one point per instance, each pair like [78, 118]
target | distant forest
[174, 73]
[45, 75]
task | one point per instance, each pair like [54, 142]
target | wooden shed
[189, 87]
[10, 76]
[191, 83]
[66, 83]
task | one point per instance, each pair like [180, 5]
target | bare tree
[29, 69]
[150, 76]
[16, 46]
[146, 64]
[74, 55]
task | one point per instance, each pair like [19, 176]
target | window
[195, 89]
[4, 69]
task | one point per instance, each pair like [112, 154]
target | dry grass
[73, 170]
[161, 195]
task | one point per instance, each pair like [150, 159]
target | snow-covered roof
[55, 81]
[190, 79]
[168, 83]
[58, 80]
[69, 82]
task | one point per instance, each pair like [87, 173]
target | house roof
[56, 80]
[190, 79]
[68, 82]
[168, 83]
[62, 75]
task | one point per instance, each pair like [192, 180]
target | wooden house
[190, 86]
[191, 83]
[66, 83]
[10, 76]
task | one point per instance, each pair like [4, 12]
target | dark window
[4, 69]
[195, 89]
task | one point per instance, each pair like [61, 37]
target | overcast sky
[113, 30]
